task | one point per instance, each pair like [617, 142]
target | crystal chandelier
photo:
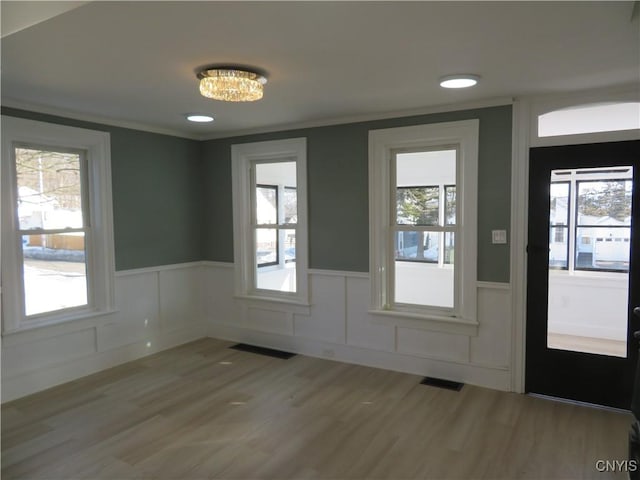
[231, 85]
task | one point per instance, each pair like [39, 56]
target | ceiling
[135, 63]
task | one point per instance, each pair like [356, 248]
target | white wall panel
[327, 319]
[137, 318]
[22, 357]
[340, 304]
[270, 321]
[219, 305]
[37, 359]
[436, 345]
[492, 346]
[180, 298]
[361, 330]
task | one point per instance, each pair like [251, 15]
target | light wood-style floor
[204, 411]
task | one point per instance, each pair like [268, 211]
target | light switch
[498, 236]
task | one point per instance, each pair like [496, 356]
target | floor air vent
[243, 347]
[441, 383]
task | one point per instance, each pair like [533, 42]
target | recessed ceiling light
[459, 81]
[199, 118]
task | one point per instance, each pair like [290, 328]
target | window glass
[605, 117]
[604, 213]
[559, 225]
[266, 205]
[276, 206]
[290, 205]
[450, 204]
[54, 272]
[424, 255]
[417, 205]
[50, 199]
[49, 189]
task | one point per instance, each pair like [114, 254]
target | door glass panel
[589, 245]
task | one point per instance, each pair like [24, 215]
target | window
[423, 196]
[590, 222]
[57, 257]
[270, 233]
[599, 117]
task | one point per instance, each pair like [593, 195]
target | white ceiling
[135, 63]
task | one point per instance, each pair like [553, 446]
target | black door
[583, 272]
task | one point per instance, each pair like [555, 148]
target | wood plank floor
[203, 411]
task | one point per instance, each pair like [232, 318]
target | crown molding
[486, 103]
[59, 112]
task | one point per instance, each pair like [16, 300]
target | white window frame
[383, 144]
[244, 157]
[100, 252]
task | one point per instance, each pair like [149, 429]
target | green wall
[172, 196]
[157, 194]
[337, 164]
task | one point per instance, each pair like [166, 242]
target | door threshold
[579, 403]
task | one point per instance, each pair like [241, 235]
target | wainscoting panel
[180, 295]
[362, 331]
[37, 359]
[138, 315]
[340, 327]
[25, 357]
[435, 345]
[270, 321]
[492, 346]
[327, 319]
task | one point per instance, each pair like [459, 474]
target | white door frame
[525, 136]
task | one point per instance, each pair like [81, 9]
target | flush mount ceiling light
[198, 118]
[231, 84]
[459, 81]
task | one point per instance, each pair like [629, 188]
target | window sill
[425, 321]
[57, 325]
[277, 304]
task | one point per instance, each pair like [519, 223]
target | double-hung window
[57, 247]
[423, 221]
[270, 228]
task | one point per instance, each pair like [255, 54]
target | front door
[583, 267]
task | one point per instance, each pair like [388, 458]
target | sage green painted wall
[157, 194]
[337, 164]
[172, 196]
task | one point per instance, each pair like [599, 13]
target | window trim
[383, 144]
[100, 259]
[243, 156]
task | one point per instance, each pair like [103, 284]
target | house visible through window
[590, 222]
